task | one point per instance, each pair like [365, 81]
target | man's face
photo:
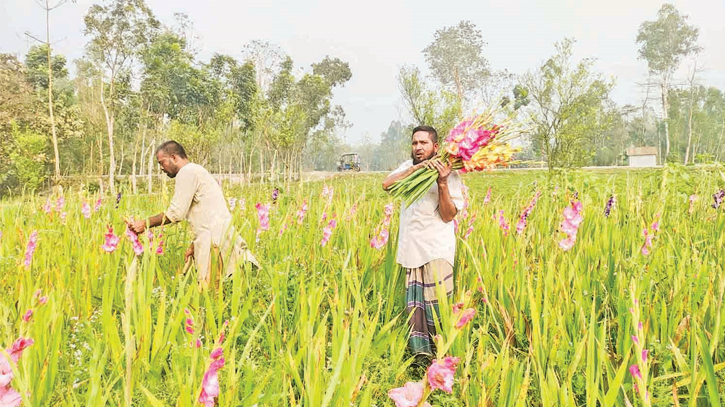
[423, 147]
[168, 163]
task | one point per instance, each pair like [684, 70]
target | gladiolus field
[571, 289]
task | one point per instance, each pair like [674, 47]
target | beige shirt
[423, 236]
[199, 199]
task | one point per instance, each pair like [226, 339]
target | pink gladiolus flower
[222, 335]
[63, 216]
[9, 397]
[60, 203]
[133, 237]
[487, 199]
[567, 244]
[639, 326]
[98, 205]
[43, 300]
[457, 307]
[380, 240]
[466, 317]
[198, 343]
[388, 211]
[232, 203]
[635, 339]
[328, 192]
[111, 241]
[644, 355]
[48, 208]
[217, 353]
[470, 227]
[634, 371]
[160, 248]
[353, 211]
[327, 232]
[502, 223]
[189, 326]
[440, 374]
[521, 225]
[242, 204]
[86, 210]
[408, 395]
[18, 347]
[263, 216]
[570, 225]
[302, 212]
[210, 383]
[30, 248]
[465, 140]
[283, 229]
[28, 315]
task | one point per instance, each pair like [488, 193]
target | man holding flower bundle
[427, 240]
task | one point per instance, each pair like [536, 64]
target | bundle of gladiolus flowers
[476, 144]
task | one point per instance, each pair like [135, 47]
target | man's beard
[417, 161]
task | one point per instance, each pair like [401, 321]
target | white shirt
[423, 236]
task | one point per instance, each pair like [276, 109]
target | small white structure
[642, 156]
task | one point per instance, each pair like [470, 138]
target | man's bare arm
[446, 207]
[140, 225]
[393, 178]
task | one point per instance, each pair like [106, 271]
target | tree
[570, 108]
[455, 58]
[335, 71]
[48, 7]
[118, 33]
[266, 58]
[440, 109]
[663, 44]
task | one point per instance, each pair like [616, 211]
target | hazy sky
[377, 37]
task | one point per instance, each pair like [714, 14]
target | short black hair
[430, 130]
[171, 147]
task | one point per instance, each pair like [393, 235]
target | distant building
[642, 156]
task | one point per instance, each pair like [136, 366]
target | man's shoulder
[194, 168]
[404, 166]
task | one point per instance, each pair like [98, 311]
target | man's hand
[444, 170]
[136, 226]
[189, 253]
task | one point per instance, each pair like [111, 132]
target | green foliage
[36, 61]
[569, 108]
[438, 108]
[456, 58]
[327, 325]
[665, 41]
[27, 166]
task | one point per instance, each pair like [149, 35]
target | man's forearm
[393, 178]
[158, 220]
[446, 207]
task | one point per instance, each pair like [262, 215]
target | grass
[324, 326]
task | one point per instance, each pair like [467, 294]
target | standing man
[427, 240]
[199, 199]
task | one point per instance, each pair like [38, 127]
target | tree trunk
[241, 167]
[249, 176]
[665, 116]
[50, 94]
[149, 180]
[689, 119]
[133, 168]
[143, 154]
[261, 165]
[109, 127]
